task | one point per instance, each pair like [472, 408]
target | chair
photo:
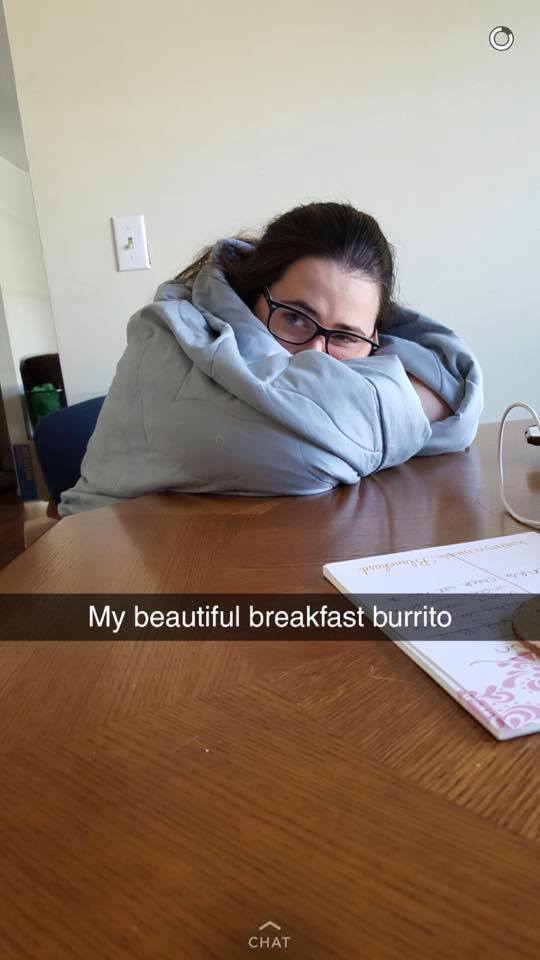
[61, 439]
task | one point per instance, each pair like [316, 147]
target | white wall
[10, 395]
[26, 324]
[213, 119]
[23, 280]
[11, 138]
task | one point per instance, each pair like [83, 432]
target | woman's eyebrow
[305, 306]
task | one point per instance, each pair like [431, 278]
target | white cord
[506, 505]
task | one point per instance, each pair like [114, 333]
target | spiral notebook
[478, 659]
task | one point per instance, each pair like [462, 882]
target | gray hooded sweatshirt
[205, 400]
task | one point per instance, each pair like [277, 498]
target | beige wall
[11, 137]
[26, 325]
[23, 280]
[10, 396]
[213, 119]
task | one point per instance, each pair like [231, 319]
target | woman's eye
[344, 338]
[295, 317]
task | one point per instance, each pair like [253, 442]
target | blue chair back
[61, 439]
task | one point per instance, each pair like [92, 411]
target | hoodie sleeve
[442, 360]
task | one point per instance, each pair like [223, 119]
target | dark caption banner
[257, 616]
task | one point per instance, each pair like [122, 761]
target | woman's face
[331, 295]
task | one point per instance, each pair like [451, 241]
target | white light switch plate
[130, 242]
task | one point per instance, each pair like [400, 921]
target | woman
[279, 365]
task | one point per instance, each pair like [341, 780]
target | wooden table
[164, 800]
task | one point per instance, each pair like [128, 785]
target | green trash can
[43, 400]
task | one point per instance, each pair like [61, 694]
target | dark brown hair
[335, 231]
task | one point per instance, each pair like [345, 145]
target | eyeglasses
[292, 326]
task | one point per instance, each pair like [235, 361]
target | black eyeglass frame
[273, 305]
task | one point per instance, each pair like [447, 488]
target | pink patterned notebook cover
[498, 683]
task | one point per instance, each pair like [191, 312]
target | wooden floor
[11, 526]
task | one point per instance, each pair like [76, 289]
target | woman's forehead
[330, 290]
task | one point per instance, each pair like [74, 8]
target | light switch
[130, 243]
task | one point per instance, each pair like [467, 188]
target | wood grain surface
[163, 800]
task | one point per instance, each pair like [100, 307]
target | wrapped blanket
[205, 400]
